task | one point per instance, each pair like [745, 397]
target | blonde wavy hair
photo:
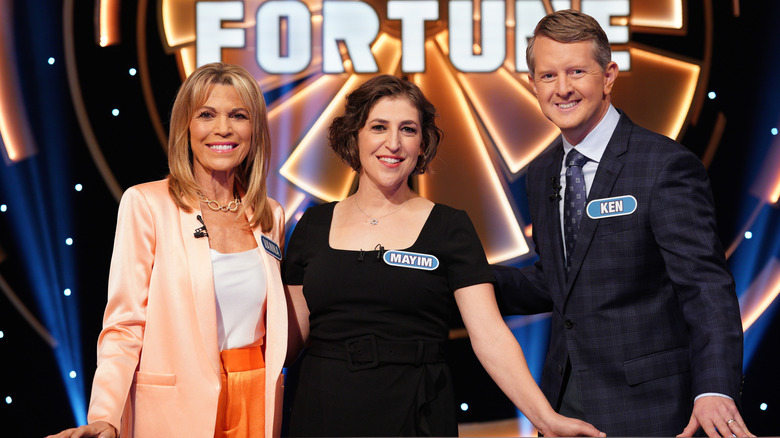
[251, 174]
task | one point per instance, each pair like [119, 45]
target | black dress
[375, 366]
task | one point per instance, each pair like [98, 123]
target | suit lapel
[275, 324]
[606, 175]
[553, 175]
[202, 279]
[276, 306]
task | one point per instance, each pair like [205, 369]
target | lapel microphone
[556, 189]
[201, 231]
[380, 252]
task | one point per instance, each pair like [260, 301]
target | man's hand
[718, 416]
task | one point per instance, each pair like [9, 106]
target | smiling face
[389, 143]
[573, 90]
[220, 132]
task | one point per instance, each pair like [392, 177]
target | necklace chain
[214, 205]
[375, 220]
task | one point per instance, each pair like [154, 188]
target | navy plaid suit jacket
[648, 315]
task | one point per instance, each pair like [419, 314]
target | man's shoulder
[642, 140]
[546, 156]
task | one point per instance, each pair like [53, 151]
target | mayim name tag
[405, 259]
[271, 247]
[611, 207]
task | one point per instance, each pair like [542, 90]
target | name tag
[611, 207]
[412, 260]
[271, 247]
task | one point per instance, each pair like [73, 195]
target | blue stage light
[39, 188]
[133, 72]
[66, 292]
[464, 407]
[3, 208]
[115, 112]
[774, 131]
[1, 334]
[763, 406]
[8, 400]
[78, 187]
[748, 235]
[51, 60]
[72, 374]
[711, 95]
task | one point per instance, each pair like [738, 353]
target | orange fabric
[241, 411]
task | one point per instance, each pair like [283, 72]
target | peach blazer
[158, 370]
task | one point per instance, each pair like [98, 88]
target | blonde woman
[195, 330]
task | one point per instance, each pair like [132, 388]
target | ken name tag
[611, 207]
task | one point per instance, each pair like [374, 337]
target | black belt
[368, 352]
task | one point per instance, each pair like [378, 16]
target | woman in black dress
[374, 279]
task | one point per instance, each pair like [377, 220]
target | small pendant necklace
[216, 206]
[375, 220]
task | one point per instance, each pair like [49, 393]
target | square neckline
[416, 239]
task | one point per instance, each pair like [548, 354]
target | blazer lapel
[553, 174]
[276, 305]
[275, 324]
[202, 279]
[606, 175]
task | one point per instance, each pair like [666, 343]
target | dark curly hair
[343, 132]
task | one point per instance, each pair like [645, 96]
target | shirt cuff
[712, 394]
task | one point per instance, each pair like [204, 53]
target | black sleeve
[465, 262]
[295, 257]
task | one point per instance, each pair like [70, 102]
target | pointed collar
[594, 144]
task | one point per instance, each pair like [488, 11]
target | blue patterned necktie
[574, 200]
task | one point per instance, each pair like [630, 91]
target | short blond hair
[570, 26]
[252, 173]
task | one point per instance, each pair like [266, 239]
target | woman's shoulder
[150, 192]
[320, 211]
[275, 206]
[445, 211]
[151, 188]
[449, 219]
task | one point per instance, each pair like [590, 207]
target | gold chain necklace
[216, 206]
[375, 220]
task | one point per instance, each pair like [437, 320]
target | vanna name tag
[611, 207]
[271, 247]
[412, 260]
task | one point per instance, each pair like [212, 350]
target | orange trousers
[241, 411]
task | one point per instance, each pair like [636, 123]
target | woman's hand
[558, 425]
[503, 359]
[98, 429]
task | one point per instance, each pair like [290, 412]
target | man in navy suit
[646, 332]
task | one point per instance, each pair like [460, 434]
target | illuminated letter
[211, 37]
[356, 25]
[527, 14]
[413, 16]
[269, 37]
[602, 10]
[493, 29]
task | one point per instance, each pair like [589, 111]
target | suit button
[568, 324]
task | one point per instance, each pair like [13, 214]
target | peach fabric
[241, 412]
[158, 371]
